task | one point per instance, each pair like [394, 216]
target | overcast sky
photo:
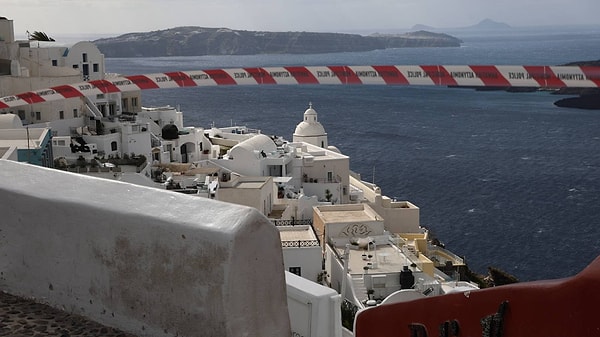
[113, 17]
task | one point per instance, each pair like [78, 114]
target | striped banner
[440, 75]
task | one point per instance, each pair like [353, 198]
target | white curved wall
[150, 262]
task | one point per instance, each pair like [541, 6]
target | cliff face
[194, 41]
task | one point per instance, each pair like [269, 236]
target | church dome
[310, 126]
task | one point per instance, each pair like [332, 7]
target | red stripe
[105, 86]
[391, 74]
[220, 77]
[592, 74]
[67, 91]
[439, 75]
[490, 76]
[182, 79]
[31, 97]
[143, 82]
[261, 76]
[544, 76]
[345, 74]
[302, 75]
[3, 105]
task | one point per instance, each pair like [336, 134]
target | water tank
[407, 279]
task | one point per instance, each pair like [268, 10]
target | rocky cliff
[195, 41]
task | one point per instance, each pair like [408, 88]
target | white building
[33, 65]
[302, 253]
[30, 145]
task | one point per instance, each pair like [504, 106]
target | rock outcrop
[587, 98]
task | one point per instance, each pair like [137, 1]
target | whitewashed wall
[150, 262]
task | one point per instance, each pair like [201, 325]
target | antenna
[373, 174]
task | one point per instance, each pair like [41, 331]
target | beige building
[255, 192]
[400, 216]
[350, 221]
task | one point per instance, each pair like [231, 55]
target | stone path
[22, 317]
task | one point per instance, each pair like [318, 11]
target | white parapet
[315, 310]
[147, 261]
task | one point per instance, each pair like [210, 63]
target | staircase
[92, 108]
[358, 285]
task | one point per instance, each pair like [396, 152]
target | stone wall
[146, 261]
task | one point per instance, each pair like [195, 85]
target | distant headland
[484, 25]
[588, 98]
[198, 41]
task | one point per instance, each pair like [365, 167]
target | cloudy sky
[112, 17]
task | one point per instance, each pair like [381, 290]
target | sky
[114, 17]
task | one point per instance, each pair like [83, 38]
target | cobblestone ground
[22, 317]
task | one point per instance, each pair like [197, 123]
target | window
[54, 63]
[329, 177]
[74, 113]
[21, 114]
[61, 114]
[134, 102]
[113, 146]
[38, 115]
[96, 67]
[296, 270]
[76, 66]
[84, 57]
[124, 104]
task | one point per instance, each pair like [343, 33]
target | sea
[506, 180]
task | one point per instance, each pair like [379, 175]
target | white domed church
[310, 130]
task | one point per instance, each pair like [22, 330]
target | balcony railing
[299, 243]
[293, 222]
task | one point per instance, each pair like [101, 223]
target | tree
[39, 36]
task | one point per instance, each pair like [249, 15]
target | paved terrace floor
[21, 317]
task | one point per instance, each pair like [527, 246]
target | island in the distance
[198, 41]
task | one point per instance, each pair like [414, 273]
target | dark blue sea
[504, 179]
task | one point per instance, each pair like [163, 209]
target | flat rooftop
[250, 184]
[347, 213]
[384, 259]
[296, 233]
